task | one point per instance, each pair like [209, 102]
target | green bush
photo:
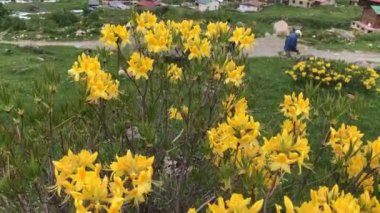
[92, 20]
[49, 26]
[3, 11]
[63, 18]
[12, 23]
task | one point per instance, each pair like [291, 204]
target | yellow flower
[282, 162]
[140, 65]
[174, 72]
[159, 38]
[288, 205]
[338, 86]
[198, 48]
[256, 207]
[214, 30]
[192, 210]
[356, 164]
[344, 140]
[131, 165]
[122, 33]
[237, 203]
[108, 35]
[294, 106]
[99, 83]
[346, 203]
[145, 21]
[174, 114]
[308, 207]
[218, 208]
[111, 34]
[242, 37]
[234, 73]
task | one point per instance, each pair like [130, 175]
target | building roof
[146, 3]
[375, 1]
[376, 9]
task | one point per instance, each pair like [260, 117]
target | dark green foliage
[12, 24]
[3, 11]
[63, 18]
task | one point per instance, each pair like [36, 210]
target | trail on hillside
[264, 47]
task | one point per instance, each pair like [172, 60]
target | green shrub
[12, 23]
[92, 20]
[63, 18]
[3, 11]
[49, 26]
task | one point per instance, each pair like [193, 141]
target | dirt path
[270, 46]
[264, 47]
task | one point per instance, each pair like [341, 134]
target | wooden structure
[301, 3]
[148, 4]
[370, 21]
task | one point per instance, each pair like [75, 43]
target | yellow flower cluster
[242, 37]
[238, 138]
[238, 134]
[99, 83]
[174, 72]
[92, 190]
[291, 145]
[325, 200]
[113, 34]
[146, 20]
[159, 38]
[175, 114]
[237, 203]
[230, 72]
[140, 65]
[235, 74]
[215, 30]
[330, 73]
[296, 108]
[362, 161]
[198, 48]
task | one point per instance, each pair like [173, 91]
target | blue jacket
[291, 42]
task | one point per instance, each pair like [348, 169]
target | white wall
[245, 8]
[209, 7]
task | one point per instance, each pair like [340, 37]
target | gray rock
[344, 34]
[281, 28]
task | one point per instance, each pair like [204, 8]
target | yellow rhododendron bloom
[140, 65]
[242, 37]
[294, 106]
[214, 30]
[174, 72]
[237, 203]
[192, 210]
[146, 20]
[288, 205]
[158, 38]
[198, 48]
[176, 114]
[99, 83]
[112, 34]
[234, 73]
[345, 139]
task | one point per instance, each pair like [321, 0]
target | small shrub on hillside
[3, 11]
[335, 74]
[63, 18]
[12, 23]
